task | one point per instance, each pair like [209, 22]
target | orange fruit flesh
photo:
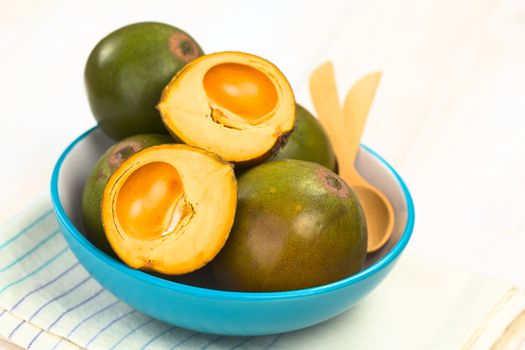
[150, 203]
[241, 89]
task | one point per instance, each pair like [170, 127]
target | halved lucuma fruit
[234, 104]
[94, 187]
[169, 208]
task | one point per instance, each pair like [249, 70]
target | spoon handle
[323, 91]
[355, 111]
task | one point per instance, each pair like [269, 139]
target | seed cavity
[152, 202]
[245, 91]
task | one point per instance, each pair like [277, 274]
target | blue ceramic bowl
[216, 311]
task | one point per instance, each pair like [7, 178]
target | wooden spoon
[345, 127]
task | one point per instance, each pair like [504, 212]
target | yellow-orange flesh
[242, 89]
[151, 203]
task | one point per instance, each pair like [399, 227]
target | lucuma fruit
[308, 141]
[103, 169]
[126, 72]
[169, 208]
[298, 225]
[234, 104]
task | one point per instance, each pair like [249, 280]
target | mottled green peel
[297, 225]
[127, 71]
[308, 141]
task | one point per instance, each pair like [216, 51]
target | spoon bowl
[352, 117]
[377, 214]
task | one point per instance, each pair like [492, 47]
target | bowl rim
[74, 233]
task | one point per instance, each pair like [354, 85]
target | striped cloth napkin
[48, 301]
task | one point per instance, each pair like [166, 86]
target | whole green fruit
[298, 225]
[127, 71]
[94, 187]
[308, 141]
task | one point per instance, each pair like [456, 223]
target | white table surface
[449, 115]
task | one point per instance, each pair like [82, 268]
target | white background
[449, 115]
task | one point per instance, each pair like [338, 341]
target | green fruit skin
[127, 71]
[297, 225]
[94, 187]
[308, 141]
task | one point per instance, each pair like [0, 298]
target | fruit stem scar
[183, 47]
[332, 183]
[124, 150]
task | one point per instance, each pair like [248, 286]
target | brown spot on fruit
[123, 152]
[333, 183]
[183, 47]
